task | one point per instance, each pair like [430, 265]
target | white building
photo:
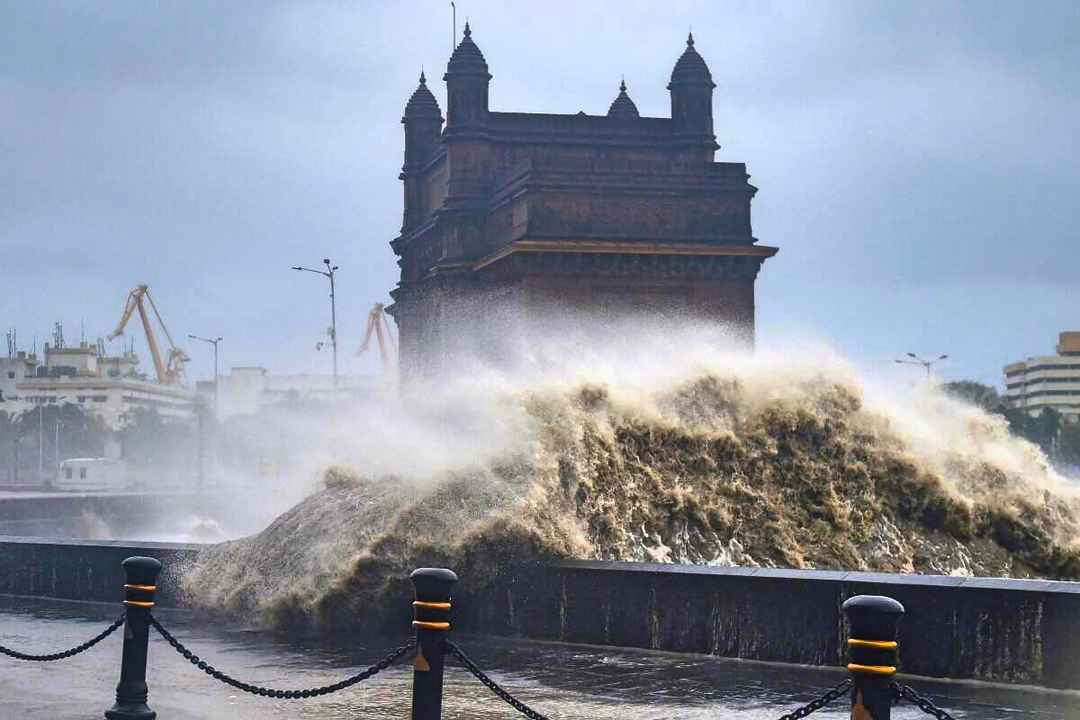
[1048, 381]
[14, 369]
[106, 386]
[246, 390]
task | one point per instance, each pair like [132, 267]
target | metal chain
[812, 707]
[281, 694]
[902, 691]
[829, 697]
[67, 653]
[908, 693]
[492, 685]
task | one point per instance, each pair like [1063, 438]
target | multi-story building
[1048, 381]
[247, 390]
[109, 387]
[14, 369]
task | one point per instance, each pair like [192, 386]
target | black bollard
[431, 613]
[873, 654]
[131, 692]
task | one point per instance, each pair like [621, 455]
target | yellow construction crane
[170, 371]
[378, 326]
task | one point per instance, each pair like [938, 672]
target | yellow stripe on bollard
[139, 603]
[876, 644]
[430, 625]
[872, 669]
[431, 605]
[147, 588]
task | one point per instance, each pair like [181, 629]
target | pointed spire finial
[690, 39]
[468, 32]
[622, 107]
[423, 80]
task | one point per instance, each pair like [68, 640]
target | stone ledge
[838, 576]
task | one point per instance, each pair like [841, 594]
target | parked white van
[92, 474]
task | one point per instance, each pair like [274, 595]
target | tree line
[42, 436]
[30, 437]
[156, 449]
[1058, 438]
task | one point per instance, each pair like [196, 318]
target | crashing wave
[749, 461]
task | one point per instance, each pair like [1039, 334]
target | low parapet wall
[85, 569]
[131, 514]
[1018, 631]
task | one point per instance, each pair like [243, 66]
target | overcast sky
[917, 162]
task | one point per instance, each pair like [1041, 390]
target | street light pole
[200, 430]
[214, 342]
[329, 274]
[41, 433]
[200, 442]
[928, 365]
[333, 322]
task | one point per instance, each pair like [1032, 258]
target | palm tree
[80, 433]
[9, 445]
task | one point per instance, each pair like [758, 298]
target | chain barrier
[902, 691]
[67, 653]
[281, 694]
[492, 685]
[908, 693]
[813, 706]
[829, 697]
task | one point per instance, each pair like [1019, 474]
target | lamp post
[41, 433]
[214, 342]
[329, 274]
[927, 364]
[56, 445]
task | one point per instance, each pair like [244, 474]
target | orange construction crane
[170, 371]
[378, 326]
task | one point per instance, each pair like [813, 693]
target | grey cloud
[915, 160]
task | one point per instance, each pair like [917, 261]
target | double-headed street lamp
[214, 342]
[329, 274]
[927, 364]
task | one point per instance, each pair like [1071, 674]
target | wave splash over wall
[651, 445]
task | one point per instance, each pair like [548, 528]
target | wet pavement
[562, 681]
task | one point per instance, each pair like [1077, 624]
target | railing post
[141, 582]
[873, 654]
[431, 613]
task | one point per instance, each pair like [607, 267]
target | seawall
[112, 514]
[85, 569]
[1018, 631]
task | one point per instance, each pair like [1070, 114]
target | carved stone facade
[519, 215]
